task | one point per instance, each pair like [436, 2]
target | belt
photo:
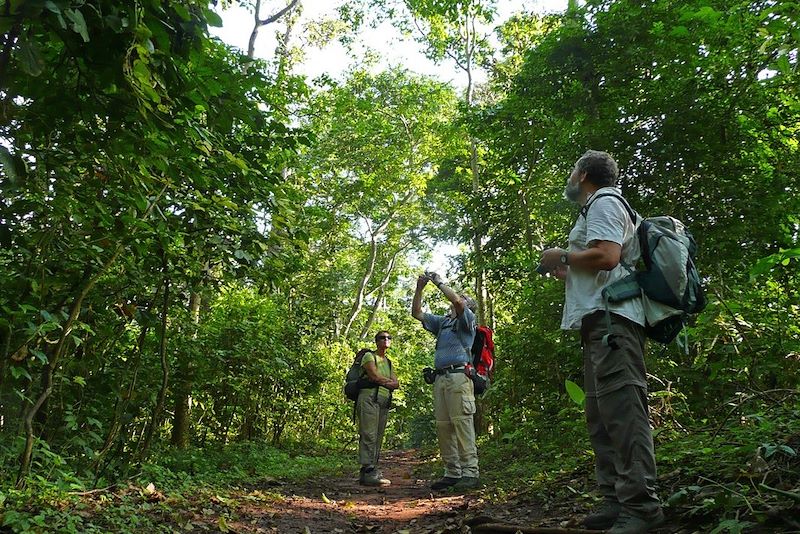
[460, 368]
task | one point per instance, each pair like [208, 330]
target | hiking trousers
[453, 408]
[372, 413]
[617, 413]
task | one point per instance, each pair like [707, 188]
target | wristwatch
[565, 258]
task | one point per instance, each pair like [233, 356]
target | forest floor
[407, 506]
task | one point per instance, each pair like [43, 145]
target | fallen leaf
[325, 499]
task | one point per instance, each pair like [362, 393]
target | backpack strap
[608, 338]
[628, 208]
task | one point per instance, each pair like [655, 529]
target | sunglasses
[384, 337]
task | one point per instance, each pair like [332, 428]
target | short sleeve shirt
[454, 337]
[383, 367]
[607, 219]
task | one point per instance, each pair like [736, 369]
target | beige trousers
[453, 408]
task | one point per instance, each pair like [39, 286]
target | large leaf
[78, 23]
[13, 167]
[29, 58]
[575, 392]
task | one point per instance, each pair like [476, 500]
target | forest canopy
[194, 241]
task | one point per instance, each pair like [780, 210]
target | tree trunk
[257, 22]
[4, 366]
[158, 408]
[119, 409]
[359, 300]
[184, 382]
[380, 292]
[47, 377]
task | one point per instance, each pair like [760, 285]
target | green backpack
[669, 284]
[355, 380]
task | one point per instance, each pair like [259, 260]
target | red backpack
[481, 370]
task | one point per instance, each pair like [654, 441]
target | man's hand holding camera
[435, 278]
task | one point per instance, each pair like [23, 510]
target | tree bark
[258, 22]
[184, 382]
[373, 252]
[158, 408]
[379, 296]
[47, 378]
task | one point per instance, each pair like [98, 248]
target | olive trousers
[372, 413]
[617, 413]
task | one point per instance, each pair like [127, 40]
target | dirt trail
[341, 505]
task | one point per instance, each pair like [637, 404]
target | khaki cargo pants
[453, 408]
[372, 414]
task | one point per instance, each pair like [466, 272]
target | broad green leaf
[41, 356]
[182, 11]
[783, 65]
[29, 58]
[18, 371]
[212, 18]
[7, 161]
[78, 23]
[679, 32]
[575, 392]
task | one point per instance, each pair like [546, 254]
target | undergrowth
[166, 495]
[738, 474]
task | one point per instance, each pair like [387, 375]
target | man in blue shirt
[453, 391]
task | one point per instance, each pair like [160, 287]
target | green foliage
[575, 392]
[191, 250]
[162, 494]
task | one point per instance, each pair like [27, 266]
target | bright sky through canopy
[334, 59]
[392, 47]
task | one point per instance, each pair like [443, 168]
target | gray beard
[572, 192]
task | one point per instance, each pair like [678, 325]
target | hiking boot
[603, 516]
[374, 477]
[444, 483]
[631, 524]
[466, 484]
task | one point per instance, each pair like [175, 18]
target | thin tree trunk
[359, 300]
[158, 408]
[119, 408]
[4, 359]
[381, 289]
[184, 383]
[47, 379]
[25, 460]
[374, 234]
[257, 22]
[122, 404]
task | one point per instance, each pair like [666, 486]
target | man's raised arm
[416, 304]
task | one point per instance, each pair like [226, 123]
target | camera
[429, 375]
